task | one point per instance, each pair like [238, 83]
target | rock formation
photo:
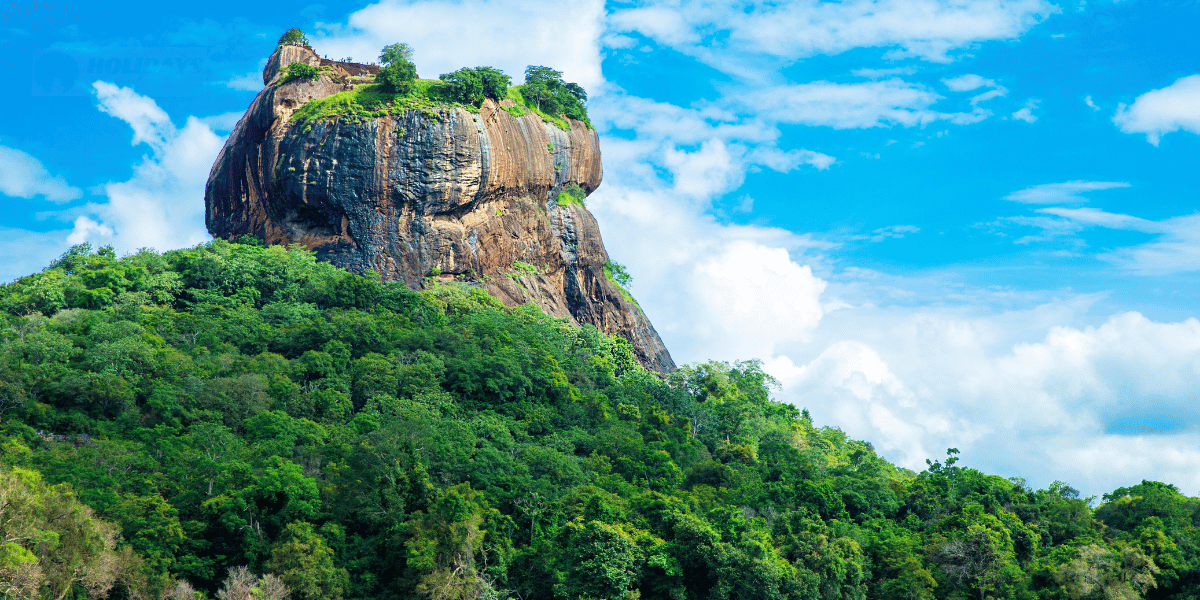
[445, 194]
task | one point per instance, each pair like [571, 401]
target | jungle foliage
[241, 420]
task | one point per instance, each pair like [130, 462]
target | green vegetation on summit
[396, 88]
[247, 421]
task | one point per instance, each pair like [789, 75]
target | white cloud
[447, 36]
[1092, 217]
[966, 83]
[988, 95]
[1026, 113]
[150, 124]
[85, 229]
[889, 232]
[753, 287]
[1162, 111]
[1088, 101]
[23, 176]
[246, 82]
[1062, 193]
[1018, 392]
[707, 151]
[713, 291]
[854, 105]
[731, 36]
[881, 73]
[162, 205]
[1174, 249]
[223, 122]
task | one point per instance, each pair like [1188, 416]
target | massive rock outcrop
[438, 193]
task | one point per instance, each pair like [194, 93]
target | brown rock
[446, 193]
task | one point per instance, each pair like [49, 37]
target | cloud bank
[23, 176]
[1162, 111]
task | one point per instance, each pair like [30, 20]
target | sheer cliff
[437, 193]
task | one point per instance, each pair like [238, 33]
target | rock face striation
[444, 194]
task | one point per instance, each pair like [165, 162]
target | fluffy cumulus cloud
[161, 206]
[1018, 392]
[23, 176]
[713, 291]
[447, 36]
[1162, 111]
[928, 29]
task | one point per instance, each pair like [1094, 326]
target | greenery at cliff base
[230, 418]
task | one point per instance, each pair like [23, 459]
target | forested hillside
[248, 422]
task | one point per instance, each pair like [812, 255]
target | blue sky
[966, 224]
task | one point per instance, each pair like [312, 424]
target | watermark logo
[169, 71]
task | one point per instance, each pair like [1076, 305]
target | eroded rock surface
[446, 193]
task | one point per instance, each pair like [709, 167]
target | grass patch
[522, 268]
[527, 268]
[616, 273]
[372, 101]
[573, 194]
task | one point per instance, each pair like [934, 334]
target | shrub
[545, 88]
[572, 194]
[617, 273]
[301, 71]
[471, 86]
[293, 37]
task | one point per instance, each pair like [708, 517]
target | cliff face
[442, 193]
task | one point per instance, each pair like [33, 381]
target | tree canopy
[399, 74]
[294, 37]
[471, 86]
[394, 53]
[546, 89]
[234, 420]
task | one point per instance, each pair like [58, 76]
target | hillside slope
[233, 405]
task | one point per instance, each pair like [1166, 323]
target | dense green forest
[237, 421]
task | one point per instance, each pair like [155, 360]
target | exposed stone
[446, 194]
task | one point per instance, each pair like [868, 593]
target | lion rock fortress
[435, 192]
